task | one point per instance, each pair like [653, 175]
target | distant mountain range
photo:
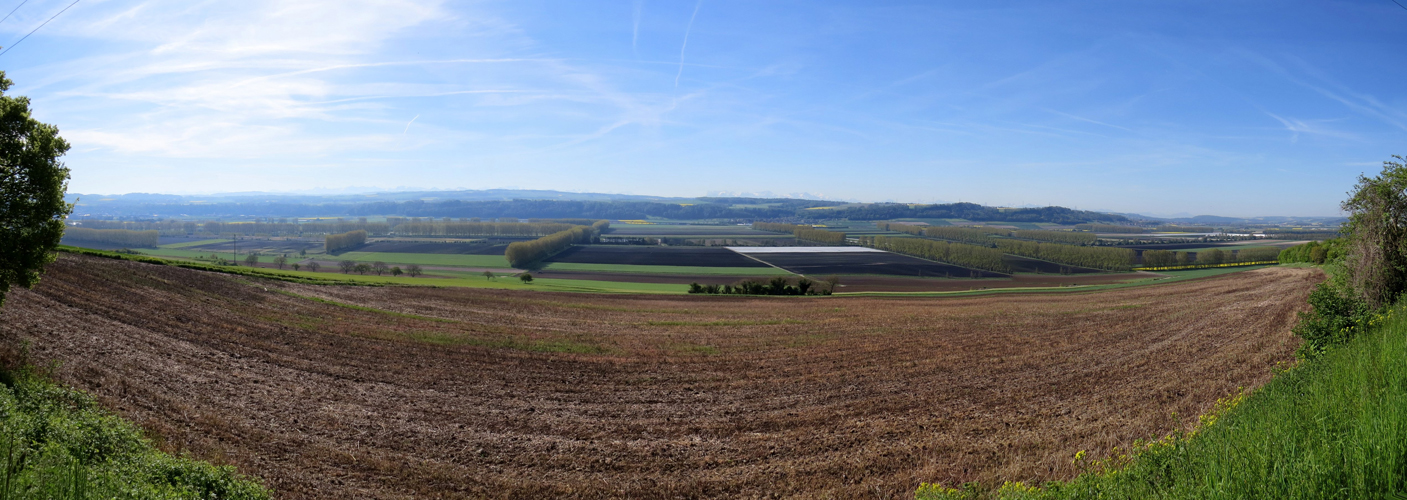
[557, 204]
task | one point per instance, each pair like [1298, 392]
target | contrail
[686, 43]
[635, 25]
[407, 125]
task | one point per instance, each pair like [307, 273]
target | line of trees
[1109, 259]
[819, 235]
[123, 237]
[1212, 257]
[969, 235]
[959, 254]
[432, 228]
[1066, 237]
[778, 285]
[349, 239]
[1302, 235]
[523, 253]
[295, 228]
[1108, 228]
[1314, 252]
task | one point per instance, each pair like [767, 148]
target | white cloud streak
[685, 45]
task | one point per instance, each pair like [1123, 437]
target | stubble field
[400, 392]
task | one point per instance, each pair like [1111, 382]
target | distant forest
[703, 208]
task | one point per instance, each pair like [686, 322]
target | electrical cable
[17, 7]
[36, 28]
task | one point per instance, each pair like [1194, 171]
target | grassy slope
[59, 443]
[1332, 428]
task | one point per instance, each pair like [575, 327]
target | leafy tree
[488, 275]
[526, 278]
[32, 185]
[251, 259]
[396, 271]
[347, 266]
[1377, 234]
[361, 268]
[379, 267]
[414, 270]
[295, 266]
[313, 266]
[281, 261]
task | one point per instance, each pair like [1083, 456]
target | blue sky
[1239, 108]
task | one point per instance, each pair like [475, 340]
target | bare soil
[465, 393]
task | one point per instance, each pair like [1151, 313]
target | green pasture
[701, 270]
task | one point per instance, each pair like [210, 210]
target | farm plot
[1028, 265]
[692, 231]
[435, 248]
[400, 392]
[654, 256]
[865, 261]
[271, 246]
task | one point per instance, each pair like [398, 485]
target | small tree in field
[488, 275]
[396, 271]
[362, 268]
[414, 270]
[347, 266]
[295, 266]
[313, 266]
[526, 278]
[252, 259]
[281, 261]
[379, 268]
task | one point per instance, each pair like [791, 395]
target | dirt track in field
[450, 393]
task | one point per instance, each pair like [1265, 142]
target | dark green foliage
[778, 285]
[1314, 252]
[1336, 316]
[1376, 262]
[820, 236]
[147, 239]
[59, 443]
[32, 185]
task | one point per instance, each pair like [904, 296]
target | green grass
[188, 244]
[427, 259]
[700, 270]
[59, 443]
[1335, 427]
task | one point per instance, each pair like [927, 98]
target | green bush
[1337, 315]
[59, 443]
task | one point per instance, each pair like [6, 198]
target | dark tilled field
[883, 263]
[1021, 264]
[644, 255]
[465, 393]
[478, 248]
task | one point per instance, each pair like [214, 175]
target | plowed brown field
[449, 393]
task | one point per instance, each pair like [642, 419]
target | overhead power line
[1399, 4]
[36, 28]
[17, 7]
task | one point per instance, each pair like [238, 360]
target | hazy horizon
[1241, 110]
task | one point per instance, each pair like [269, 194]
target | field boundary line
[769, 264]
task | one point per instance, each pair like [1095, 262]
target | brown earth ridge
[417, 392]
